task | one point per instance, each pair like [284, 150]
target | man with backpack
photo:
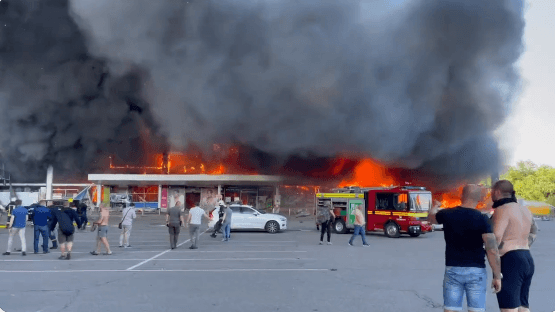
[325, 218]
[65, 218]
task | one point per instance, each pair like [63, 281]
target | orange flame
[192, 162]
[451, 199]
[368, 173]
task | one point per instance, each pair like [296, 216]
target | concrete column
[160, 196]
[220, 189]
[49, 177]
[98, 193]
[277, 198]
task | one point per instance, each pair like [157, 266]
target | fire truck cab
[393, 210]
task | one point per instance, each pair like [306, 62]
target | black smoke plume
[421, 87]
[61, 105]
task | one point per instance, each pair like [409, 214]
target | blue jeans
[359, 231]
[84, 220]
[459, 281]
[227, 230]
[41, 230]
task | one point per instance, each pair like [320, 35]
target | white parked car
[437, 227]
[247, 218]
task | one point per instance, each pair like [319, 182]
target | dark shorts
[517, 267]
[62, 238]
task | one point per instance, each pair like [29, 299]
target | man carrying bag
[126, 224]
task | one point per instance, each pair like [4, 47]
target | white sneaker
[321, 243]
[329, 243]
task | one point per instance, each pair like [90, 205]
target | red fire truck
[393, 210]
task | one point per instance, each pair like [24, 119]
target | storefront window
[144, 193]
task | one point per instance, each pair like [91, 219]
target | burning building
[322, 92]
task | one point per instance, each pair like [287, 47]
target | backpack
[323, 216]
[66, 224]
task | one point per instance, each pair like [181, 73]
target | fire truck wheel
[339, 227]
[272, 227]
[391, 229]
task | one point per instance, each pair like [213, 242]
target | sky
[529, 133]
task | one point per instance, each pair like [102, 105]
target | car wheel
[339, 227]
[272, 227]
[391, 229]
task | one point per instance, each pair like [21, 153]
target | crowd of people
[58, 221]
[470, 237]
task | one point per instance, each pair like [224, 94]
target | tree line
[532, 182]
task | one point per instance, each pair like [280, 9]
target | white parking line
[162, 270]
[252, 245]
[186, 259]
[191, 251]
[158, 255]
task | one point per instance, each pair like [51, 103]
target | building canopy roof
[184, 179]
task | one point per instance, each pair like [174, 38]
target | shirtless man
[102, 237]
[515, 231]
[466, 232]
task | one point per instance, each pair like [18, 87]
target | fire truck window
[384, 201]
[390, 201]
[420, 202]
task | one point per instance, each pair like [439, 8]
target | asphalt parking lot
[255, 271]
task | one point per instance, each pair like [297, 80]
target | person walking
[465, 231]
[52, 234]
[194, 220]
[218, 225]
[325, 220]
[226, 223]
[359, 226]
[65, 218]
[40, 221]
[16, 225]
[174, 222]
[515, 231]
[102, 236]
[126, 225]
[82, 212]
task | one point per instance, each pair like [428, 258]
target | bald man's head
[502, 189]
[471, 193]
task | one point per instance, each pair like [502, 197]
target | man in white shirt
[359, 226]
[127, 222]
[194, 220]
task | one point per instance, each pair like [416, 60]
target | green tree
[532, 182]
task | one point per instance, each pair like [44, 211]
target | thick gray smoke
[422, 87]
[59, 104]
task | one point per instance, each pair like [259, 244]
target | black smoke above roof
[422, 88]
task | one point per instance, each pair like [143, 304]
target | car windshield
[420, 201]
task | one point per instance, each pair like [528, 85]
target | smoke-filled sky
[420, 86]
